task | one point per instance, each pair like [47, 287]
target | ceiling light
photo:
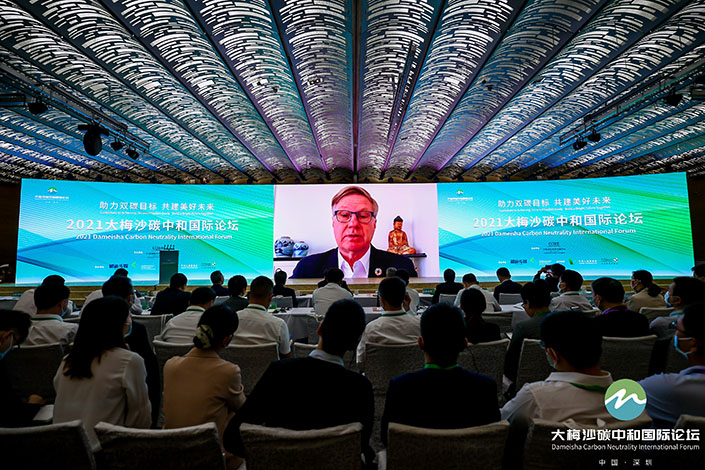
[132, 153]
[673, 98]
[579, 144]
[116, 145]
[594, 136]
[37, 107]
[91, 140]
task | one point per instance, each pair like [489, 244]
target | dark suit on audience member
[507, 287]
[221, 291]
[313, 266]
[306, 393]
[527, 329]
[621, 322]
[286, 292]
[138, 341]
[237, 303]
[449, 288]
[14, 413]
[440, 399]
[551, 282]
[480, 331]
[171, 300]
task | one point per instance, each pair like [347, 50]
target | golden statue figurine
[398, 243]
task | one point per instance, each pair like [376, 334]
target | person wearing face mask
[682, 292]
[576, 390]
[670, 395]
[200, 387]
[48, 325]
[647, 293]
[569, 285]
[26, 300]
[101, 379]
[615, 319]
[14, 412]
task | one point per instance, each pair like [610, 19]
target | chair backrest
[220, 299]
[165, 351]
[487, 359]
[509, 299]
[283, 302]
[651, 313]
[538, 454]
[446, 298]
[252, 359]
[503, 320]
[153, 323]
[519, 316]
[7, 304]
[533, 366]
[689, 459]
[383, 362]
[31, 369]
[627, 358]
[476, 447]
[312, 322]
[335, 447]
[55, 446]
[184, 448]
[675, 361]
[303, 350]
[691, 422]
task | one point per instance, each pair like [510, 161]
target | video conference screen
[603, 226]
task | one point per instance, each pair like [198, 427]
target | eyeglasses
[343, 216]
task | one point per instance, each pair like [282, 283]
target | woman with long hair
[101, 379]
[647, 294]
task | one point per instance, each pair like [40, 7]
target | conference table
[366, 300]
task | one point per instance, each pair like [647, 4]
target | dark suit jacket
[480, 331]
[450, 288]
[220, 290]
[551, 282]
[286, 292]
[306, 393]
[622, 323]
[138, 341]
[172, 301]
[313, 266]
[527, 329]
[440, 399]
[14, 413]
[507, 287]
[236, 303]
[343, 284]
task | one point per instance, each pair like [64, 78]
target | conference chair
[487, 359]
[303, 350]
[220, 299]
[7, 304]
[533, 366]
[519, 316]
[31, 369]
[283, 302]
[503, 320]
[446, 298]
[450, 449]
[335, 447]
[627, 358]
[675, 362]
[312, 324]
[194, 447]
[683, 458]
[509, 299]
[165, 351]
[153, 323]
[252, 359]
[653, 313]
[61, 446]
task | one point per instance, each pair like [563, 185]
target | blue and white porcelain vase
[300, 249]
[284, 247]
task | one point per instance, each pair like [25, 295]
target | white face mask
[675, 344]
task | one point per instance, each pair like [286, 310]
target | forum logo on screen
[625, 399]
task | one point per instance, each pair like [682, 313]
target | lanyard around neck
[436, 366]
[591, 388]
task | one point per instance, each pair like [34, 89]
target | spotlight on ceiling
[116, 145]
[132, 153]
[91, 140]
[37, 107]
[579, 144]
[673, 98]
[594, 136]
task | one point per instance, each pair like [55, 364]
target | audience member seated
[682, 292]
[699, 271]
[101, 379]
[414, 298]
[569, 286]
[671, 395]
[577, 389]
[181, 328]
[237, 285]
[616, 319]
[323, 297]
[552, 274]
[173, 299]
[138, 340]
[647, 294]
[218, 279]
[442, 395]
[394, 326]
[449, 287]
[470, 282]
[343, 284]
[48, 325]
[14, 411]
[473, 302]
[279, 289]
[200, 387]
[135, 306]
[506, 285]
[317, 391]
[257, 325]
[26, 301]
[536, 299]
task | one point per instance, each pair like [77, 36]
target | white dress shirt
[414, 296]
[570, 301]
[670, 395]
[360, 268]
[492, 304]
[258, 326]
[392, 327]
[182, 328]
[48, 329]
[135, 308]
[116, 394]
[323, 297]
[556, 399]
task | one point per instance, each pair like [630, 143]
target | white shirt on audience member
[26, 303]
[323, 297]
[182, 328]
[135, 308]
[258, 326]
[670, 395]
[414, 296]
[49, 329]
[116, 394]
[392, 327]
[570, 301]
[492, 304]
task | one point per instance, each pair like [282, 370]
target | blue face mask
[129, 332]
[4, 353]
[666, 297]
[67, 311]
[675, 344]
[548, 359]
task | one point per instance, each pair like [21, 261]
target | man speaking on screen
[354, 223]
